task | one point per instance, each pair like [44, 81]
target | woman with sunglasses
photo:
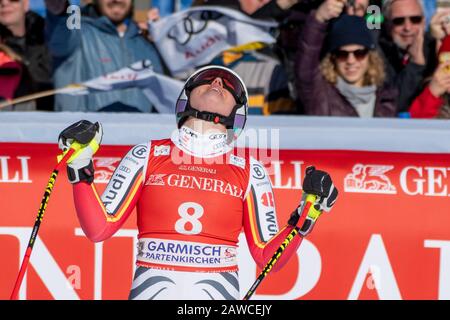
[194, 193]
[349, 80]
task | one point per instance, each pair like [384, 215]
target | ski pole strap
[306, 214]
[313, 213]
[309, 219]
[78, 148]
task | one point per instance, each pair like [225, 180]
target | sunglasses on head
[229, 81]
[399, 21]
[342, 55]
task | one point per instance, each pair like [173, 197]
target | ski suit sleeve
[260, 220]
[101, 216]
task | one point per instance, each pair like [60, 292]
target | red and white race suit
[193, 196]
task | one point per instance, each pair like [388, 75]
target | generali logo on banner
[19, 175]
[364, 178]
[374, 178]
[369, 179]
[386, 238]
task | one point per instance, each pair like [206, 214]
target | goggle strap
[209, 116]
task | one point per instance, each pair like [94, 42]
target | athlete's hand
[319, 183]
[80, 166]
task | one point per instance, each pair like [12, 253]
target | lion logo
[369, 179]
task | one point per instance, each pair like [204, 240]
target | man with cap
[194, 193]
[349, 80]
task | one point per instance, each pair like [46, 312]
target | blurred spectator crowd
[331, 57]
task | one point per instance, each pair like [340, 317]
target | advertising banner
[388, 236]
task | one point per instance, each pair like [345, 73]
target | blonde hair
[375, 74]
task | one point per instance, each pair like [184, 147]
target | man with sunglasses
[410, 52]
[194, 193]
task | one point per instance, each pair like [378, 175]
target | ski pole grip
[313, 213]
[77, 148]
[74, 149]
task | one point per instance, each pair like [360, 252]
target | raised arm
[310, 82]
[260, 220]
[101, 216]
[61, 40]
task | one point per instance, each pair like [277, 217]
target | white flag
[193, 37]
[160, 90]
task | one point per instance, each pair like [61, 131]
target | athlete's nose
[217, 81]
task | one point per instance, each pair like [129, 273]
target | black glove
[81, 168]
[319, 183]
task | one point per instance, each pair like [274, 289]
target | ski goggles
[229, 81]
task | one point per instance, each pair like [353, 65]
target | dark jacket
[409, 78]
[320, 97]
[35, 57]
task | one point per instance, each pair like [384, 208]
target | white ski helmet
[235, 122]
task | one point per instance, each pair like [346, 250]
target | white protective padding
[285, 132]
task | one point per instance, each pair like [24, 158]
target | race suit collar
[207, 145]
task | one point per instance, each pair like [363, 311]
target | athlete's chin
[212, 103]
